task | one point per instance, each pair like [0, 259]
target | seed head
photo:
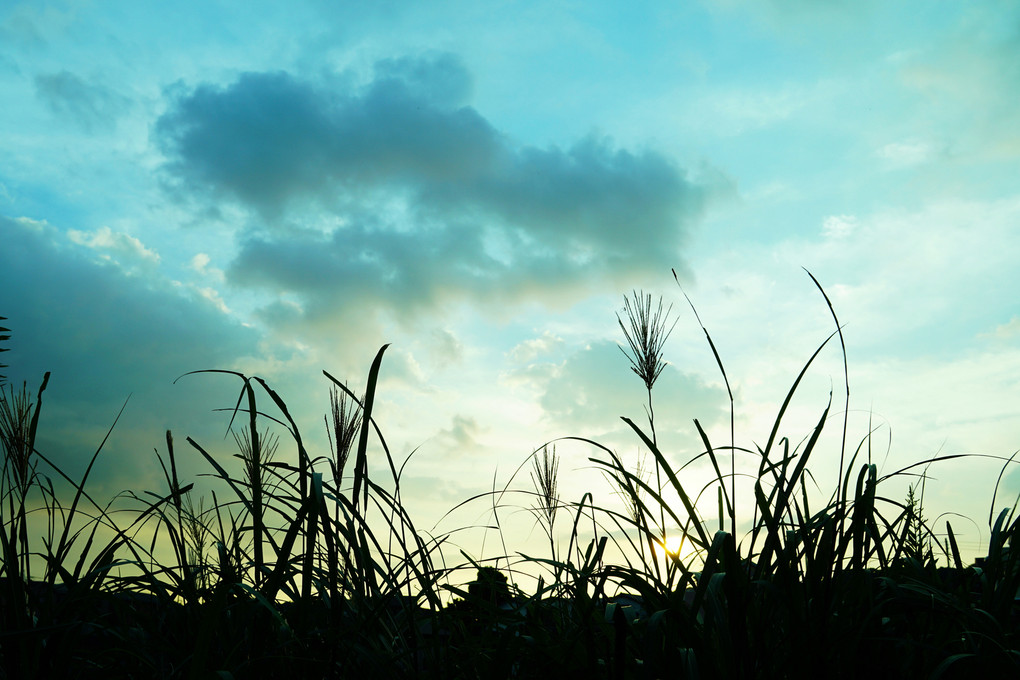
[646, 335]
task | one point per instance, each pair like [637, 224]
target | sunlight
[676, 545]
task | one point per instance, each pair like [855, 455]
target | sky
[281, 189]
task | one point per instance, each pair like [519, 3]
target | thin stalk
[731, 501]
[646, 332]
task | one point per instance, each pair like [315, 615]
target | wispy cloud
[967, 80]
[460, 437]
[527, 351]
[593, 387]
[126, 250]
[905, 154]
[90, 105]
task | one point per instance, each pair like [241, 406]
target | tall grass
[312, 566]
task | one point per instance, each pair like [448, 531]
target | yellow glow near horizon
[676, 545]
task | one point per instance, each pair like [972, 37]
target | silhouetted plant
[646, 333]
[916, 541]
[305, 578]
[4, 337]
[544, 477]
[342, 430]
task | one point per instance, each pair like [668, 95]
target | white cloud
[534, 348]
[123, 249]
[1006, 331]
[402, 370]
[214, 297]
[839, 226]
[905, 154]
[738, 111]
[200, 264]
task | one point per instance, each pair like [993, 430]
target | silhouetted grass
[308, 569]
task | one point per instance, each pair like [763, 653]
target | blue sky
[280, 190]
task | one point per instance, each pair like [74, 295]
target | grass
[307, 568]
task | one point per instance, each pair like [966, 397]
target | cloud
[839, 226]
[444, 347]
[733, 112]
[593, 387]
[965, 81]
[1006, 331]
[461, 437]
[439, 77]
[91, 105]
[271, 138]
[443, 492]
[396, 193]
[904, 154]
[200, 264]
[105, 335]
[131, 253]
[402, 370]
[95, 313]
[31, 25]
[529, 350]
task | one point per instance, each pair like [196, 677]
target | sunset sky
[281, 188]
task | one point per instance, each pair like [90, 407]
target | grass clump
[302, 566]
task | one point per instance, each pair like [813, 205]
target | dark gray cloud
[79, 313]
[270, 138]
[396, 191]
[107, 335]
[92, 106]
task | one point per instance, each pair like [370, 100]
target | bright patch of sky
[280, 190]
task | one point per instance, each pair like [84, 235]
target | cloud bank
[397, 192]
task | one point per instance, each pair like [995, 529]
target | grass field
[312, 567]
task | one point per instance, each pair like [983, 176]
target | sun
[676, 545]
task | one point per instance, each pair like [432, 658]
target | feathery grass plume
[196, 538]
[15, 437]
[18, 470]
[18, 426]
[254, 459]
[255, 453]
[646, 336]
[342, 431]
[917, 541]
[544, 475]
